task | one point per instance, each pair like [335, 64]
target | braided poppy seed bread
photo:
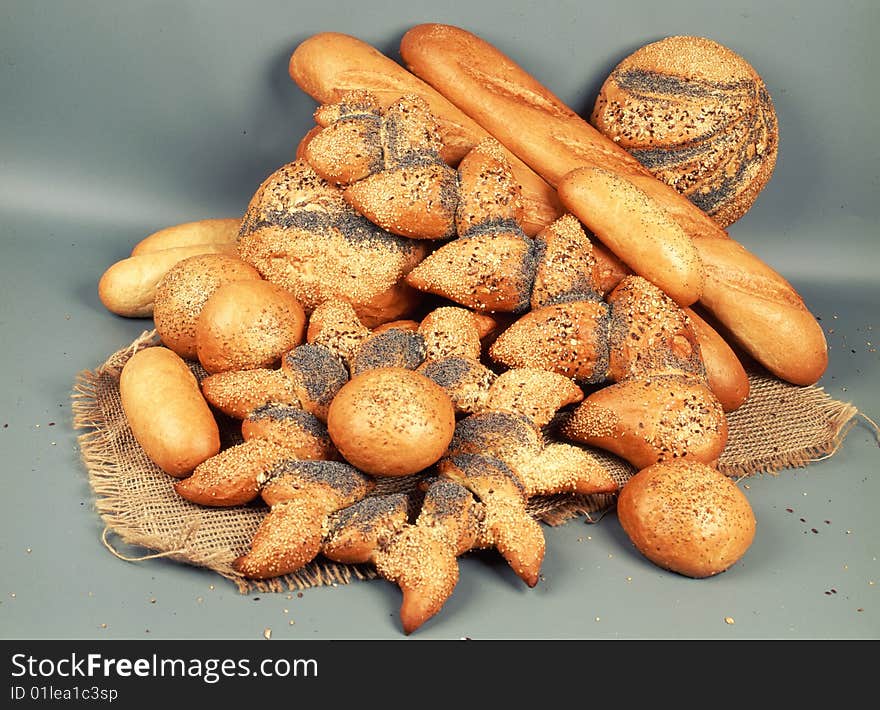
[699, 117]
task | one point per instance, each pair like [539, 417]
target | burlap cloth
[781, 426]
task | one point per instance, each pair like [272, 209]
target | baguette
[166, 411]
[206, 231]
[636, 229]
[128, 287]
[762, 312]
[756, 305]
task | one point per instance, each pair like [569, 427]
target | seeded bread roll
[687, 517]
[699, 117]
[183, 292]
[391, 421]
[248, 324]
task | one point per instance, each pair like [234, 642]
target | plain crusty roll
[205, 231]
[687, 517]
[756, 305]
[166, 411]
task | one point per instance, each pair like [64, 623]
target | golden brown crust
[451, 332]
[763, 312]
[563, 468]
[301, 434]
[391, 421]
[302, 496]
[328, 485]
[287, 538]
[300, 234]
[183, 292]
[316, 376]
[506, 524]
[487, 188]
[238, 392]
[503, 435]
[636, 228]
[567, 267]
[355, 532]
[166, 412]
[687, 517]
[419, 561]
[246, 325]
[651, 419]
[336, 326]
[727, 378]
[570, 339]
[465, 380]
[231, 477]
[219, 232]
[698, 116]
[534, 393]
[392, 348]
[487, 272]
[649, 333]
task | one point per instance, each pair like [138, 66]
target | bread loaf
[165, 409]
[754, 303]
[698, 116]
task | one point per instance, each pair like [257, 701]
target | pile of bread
[460, 281]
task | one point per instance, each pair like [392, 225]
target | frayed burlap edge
[102, 462]
[100, 458]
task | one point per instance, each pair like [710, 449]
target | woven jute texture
[781, 426]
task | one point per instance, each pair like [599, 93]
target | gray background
[117, 119]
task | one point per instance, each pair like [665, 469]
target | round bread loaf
[687, 517]
[699, 117]
[391, 421]
[183, 292]
[248, 324]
